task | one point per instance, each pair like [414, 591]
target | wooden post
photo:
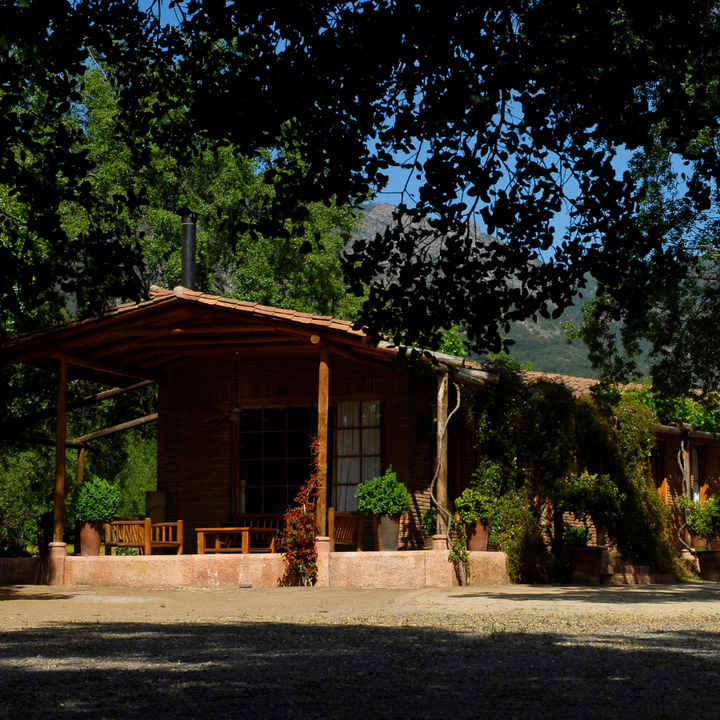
[60, 438]
[442, 445]
[81, 466]
[323, 402]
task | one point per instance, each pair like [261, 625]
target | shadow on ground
[278, 670]
[696, 592]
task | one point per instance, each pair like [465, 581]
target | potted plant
[473, 509]
[703, 520]
[97, 503]
[428, 525]
[386, 499]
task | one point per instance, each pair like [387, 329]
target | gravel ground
[525, 652]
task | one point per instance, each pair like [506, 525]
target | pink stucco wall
[427, 568]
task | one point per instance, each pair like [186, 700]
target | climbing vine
[539, 446]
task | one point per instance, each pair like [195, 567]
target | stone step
[628, 578]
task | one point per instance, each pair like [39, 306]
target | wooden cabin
[243, 388]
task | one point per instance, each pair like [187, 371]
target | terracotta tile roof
[181, 295]
[578, 386]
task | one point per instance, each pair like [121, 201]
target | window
[358, 450]
[275, 458]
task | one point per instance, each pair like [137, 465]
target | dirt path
[525, 652]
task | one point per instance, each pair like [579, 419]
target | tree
[508, 112]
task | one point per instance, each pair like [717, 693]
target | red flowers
[297, 539]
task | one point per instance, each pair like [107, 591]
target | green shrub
[589, 497]
[473, 505]
[576, 536]
[428, 521]
[384, 495]
[98, 501]
[702, 519]
[521, 539]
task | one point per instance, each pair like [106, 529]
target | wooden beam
[442, 444]
[80, 466]
[60, 438]
[82, 402]
[40, 440]
[103, 367]
[429, 355]
[460, 376]
[117, 428]
[323, 405]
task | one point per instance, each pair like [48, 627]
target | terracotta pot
[90, 538]
[387, 532]
[477, 535]
[586, 564]
[709, 564]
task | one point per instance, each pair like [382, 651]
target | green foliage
[532, 436]
[703, 519]
[26, 491]
[589, 497]
[459, 555]
[17, 531]
[473, 505]
[428, 521]
[528, 556]
[576, 536]
[384, 495]
[98, 501]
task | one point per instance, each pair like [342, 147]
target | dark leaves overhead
[503, 112]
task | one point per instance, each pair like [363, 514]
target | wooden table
[226, 536]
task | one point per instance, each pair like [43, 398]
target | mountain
[543, 343]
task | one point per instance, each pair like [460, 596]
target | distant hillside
[543, 343]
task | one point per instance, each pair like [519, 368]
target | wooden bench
[143, 534]
[236, 540]
[344, 529]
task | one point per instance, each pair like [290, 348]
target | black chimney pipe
[189, 251]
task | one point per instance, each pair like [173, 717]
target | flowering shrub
[17, 531]
[297, 538]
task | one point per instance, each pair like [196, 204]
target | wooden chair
[344, 529]
[261, 542]
[143, 534]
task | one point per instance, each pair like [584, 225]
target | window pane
[275, 500]
[299, 418]
[298, 471]
[251, 419]
[345, 500]
[371, 442]
[348, 414]
[275, 472]
[274, 419]
[254, 501]
[251, 472]
[275, 445]
[372, 411]
[348, 443]
[299, 444]
[348, 471]
[371, 468]
[251, 445]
